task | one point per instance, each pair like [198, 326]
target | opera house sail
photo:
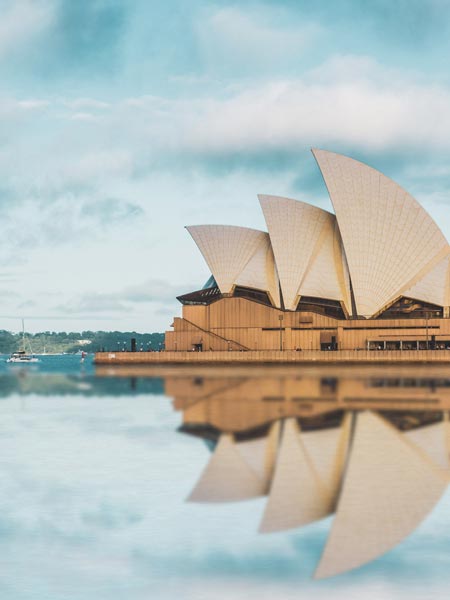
[372, 276]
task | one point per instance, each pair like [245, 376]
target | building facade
[375, 275]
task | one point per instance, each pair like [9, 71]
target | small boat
[21, 356]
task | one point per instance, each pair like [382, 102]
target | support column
[339, 337]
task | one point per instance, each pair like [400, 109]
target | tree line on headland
[52, 342]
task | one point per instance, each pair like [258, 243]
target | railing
[220, 337]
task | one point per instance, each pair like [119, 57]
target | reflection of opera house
[372, 450]
[374, 276]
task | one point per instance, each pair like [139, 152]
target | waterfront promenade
[275, 356]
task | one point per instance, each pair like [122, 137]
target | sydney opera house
[372, 276]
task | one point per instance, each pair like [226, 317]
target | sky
[122, 121]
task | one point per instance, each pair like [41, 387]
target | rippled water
[95, 471]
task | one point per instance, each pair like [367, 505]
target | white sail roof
[390, 241]
[297, 495]
[227, 476]
[226, 249]
[434, 287]
[389, 487]
[297, 232]
[433, 440]
[327, 276]
[260, 272]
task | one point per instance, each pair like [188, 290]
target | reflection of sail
[319, 457]
[434, 440]
[237, 471]
[327, 450]
[389, 487]
[260, 454]
[298, 494]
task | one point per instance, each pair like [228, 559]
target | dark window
[251, 294]
[321, 306]
[408, 308]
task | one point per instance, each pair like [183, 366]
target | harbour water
[96, 468]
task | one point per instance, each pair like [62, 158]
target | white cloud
[349, 100]
[84, 168]
[33, 104]
[83, 116]
[93, 303]
[151, 290]
[21, 21]
[372, 110]
[251, 40]
[150, 293]
[86, 103]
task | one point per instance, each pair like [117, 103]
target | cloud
[33, 104]
[409, 27]
[16, 117]
[152, 292]
[111, 210]
[252, 40]
[92, 303]
[22, 21]
[83, 116]
[27, 304]
[86, 103]
[52, 41]
[108, 517]
[363, 111]
[80, 167]
[7, 277]
[61, 219]
[348, 103]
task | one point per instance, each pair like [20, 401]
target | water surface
[95, 471]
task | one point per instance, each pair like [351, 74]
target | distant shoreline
[53, 342]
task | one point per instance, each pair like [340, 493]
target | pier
[274, 357]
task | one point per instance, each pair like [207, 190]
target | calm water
[95, 471]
